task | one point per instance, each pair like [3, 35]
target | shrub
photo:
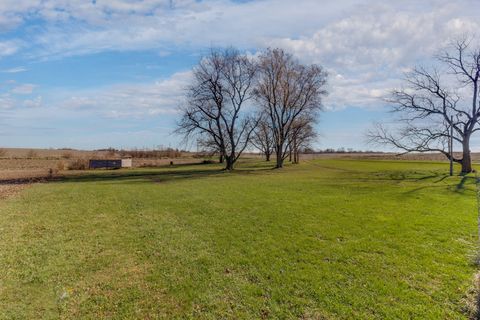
[202, 154]
[32, 154]
[52, 172]
[151, 154]
[110, 154]
[78, 164]
[67, 155]
[60, 166]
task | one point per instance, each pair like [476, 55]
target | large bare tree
[286, 91]
[434, 103]
[215, 108]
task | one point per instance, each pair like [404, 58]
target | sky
[112, 73]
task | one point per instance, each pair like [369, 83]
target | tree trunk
[229, 163]
[279, 158]
[297, 156]
[267, 156]
[295, 150]
[466, 157]
[220, 160]
[290, 154]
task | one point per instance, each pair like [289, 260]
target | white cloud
[6, 101]
[80, 27]
[33, 103]
[129, 100]
[367, 52]
[365, 44]
[12, 92]
[15, 70]
[24, 89]
[383, 36]
[8, 48]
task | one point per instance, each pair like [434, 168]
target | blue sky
[93, 74]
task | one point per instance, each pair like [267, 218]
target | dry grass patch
[9, 190]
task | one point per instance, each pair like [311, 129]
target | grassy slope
[331, 238]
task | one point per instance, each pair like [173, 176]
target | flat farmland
[326, 239]
[18, 159]
[21, 167]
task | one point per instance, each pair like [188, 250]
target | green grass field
[328, 239]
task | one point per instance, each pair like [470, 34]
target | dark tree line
[270, 103]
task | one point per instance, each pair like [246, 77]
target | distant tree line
[270, 102]
[144, 153]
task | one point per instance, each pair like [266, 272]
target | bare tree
[435, 101]
[286, 91]
[208, 145]
[262, 138]
[222, 85]
[301, 136]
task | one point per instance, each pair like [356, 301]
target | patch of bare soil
[9, 190]
[14, 181]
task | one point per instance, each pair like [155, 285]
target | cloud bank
[366, 45]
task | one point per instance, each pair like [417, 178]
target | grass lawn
[328, 239]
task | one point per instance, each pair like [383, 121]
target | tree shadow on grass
[415, 190]
[460, 187]
[158, 175]
[439, 177]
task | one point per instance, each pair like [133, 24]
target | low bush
[152, 154]
[32, 154]
[52, 172]
[60, 166]
[67, 155]
[78, 164]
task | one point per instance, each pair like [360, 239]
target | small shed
[104, 164]
[127, 163]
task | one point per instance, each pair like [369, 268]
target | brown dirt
[14, 181]
[9, 190]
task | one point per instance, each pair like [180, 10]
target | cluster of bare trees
[438, 107]
[236, 102]
[271, 102]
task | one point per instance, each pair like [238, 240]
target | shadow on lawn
[465, 179]
[158, 175]
[459, 187]
[439, 177]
